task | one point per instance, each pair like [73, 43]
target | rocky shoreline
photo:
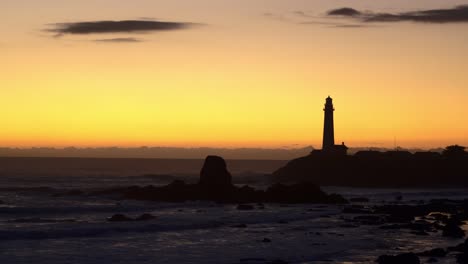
[438, 217]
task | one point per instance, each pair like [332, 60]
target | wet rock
[356, 209]
[420, 233]
[399, 218]
[74, 192]
[252, 260]
[214, 173]
[245, 207]
[369, 219]
[119, 218]
[239, 226]
[349, 226]
[436, 252]
[463, 247]
[453, 230]
[359, 200]
[438, 216]
[145, 217]
[462, 258]
[303, 192]
[278, 261]
[432, 260]
[406, 258]
[215, 185]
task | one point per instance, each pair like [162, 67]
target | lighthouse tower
[328, 129]
[328, 144]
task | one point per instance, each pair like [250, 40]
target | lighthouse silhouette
[328, 128]
[328, 143]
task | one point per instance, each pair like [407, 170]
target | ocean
[49, 213]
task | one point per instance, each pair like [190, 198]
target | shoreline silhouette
[333, 166]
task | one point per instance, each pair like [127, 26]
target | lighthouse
[328, 128]
[328, 143]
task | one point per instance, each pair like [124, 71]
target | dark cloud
[119, 40]
[457, 14]
[334, 25]
[126, 26]
[345, 11]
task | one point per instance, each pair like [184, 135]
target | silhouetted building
[328, 144]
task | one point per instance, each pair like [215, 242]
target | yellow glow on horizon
[250, 85]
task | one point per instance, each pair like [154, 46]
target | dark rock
[178, 191]
[119, 218]
[349, 225]
[359, 200]
[432, 260]
[252, 260]
[355, 209]
[2, 202]
[436, 252]
[239, 226]
[74, 192]
[399, 218]
[266, 240]
[463, 247]
[278, 261]
[406, 258]
[214, 173]
[303, 192]
[145, 217]
[462, 258]
[245, 207]
[420, 233]
[438, 216]
[215, 185]
[395, 168]
[453, 230]
[369, 219]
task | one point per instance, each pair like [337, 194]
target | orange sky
[241, 79]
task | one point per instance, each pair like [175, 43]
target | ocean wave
[86, 231]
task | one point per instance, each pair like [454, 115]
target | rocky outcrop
[124, 218]
[178, 191]
[119, 218]
[215, 185]
[379, 169]
[214, 174]
[406, 258]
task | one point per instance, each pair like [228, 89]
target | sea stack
[214, 174]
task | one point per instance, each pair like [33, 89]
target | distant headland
[396, 168]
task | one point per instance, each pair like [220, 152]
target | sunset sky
[225, 73]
